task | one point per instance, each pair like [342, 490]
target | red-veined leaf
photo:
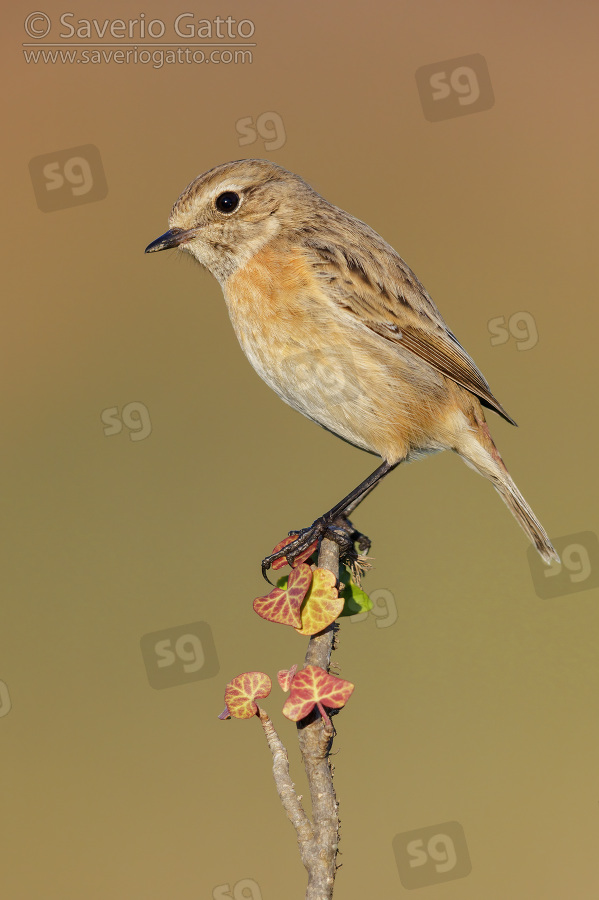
[282, 605]
[322, 604]
[242, 691]
[285, 677]
[312, 687]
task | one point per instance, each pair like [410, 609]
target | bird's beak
[170, 239]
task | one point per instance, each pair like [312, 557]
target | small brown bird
[337, 324]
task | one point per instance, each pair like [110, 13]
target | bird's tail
[480, 453]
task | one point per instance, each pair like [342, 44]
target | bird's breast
[318, 358]
[294, 338]
[277, 310]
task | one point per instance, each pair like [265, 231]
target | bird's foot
[337, 528]
[303, 540]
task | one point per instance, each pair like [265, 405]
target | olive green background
[478, 705]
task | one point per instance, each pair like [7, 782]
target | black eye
[227, 202]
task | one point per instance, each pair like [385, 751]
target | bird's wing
[368, 279]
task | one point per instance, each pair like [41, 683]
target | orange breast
[272, 288]
[325, 364]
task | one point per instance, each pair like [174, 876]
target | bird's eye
[227, 202]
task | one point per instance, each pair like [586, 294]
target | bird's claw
[339, 529]
[304, 538]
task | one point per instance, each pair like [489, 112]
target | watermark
[432, 855]
[68, 178]
[326, 375]
[455, 87]
[5, 701]
[268, 126]
[184, 38]
[520, 326]
[578, 570]
[179, 655]
[136, 56]
[245, 889]
[135, 416]
[384, 609]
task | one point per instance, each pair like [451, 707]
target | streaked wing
[390, 300]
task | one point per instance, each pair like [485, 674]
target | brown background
[479, 704]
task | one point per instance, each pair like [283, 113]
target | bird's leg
[342, 530]
[336, 519]
[342, 521]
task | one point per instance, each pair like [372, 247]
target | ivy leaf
[282, 561]
[285, 677]
[283, 604]
[322, 604]
[356, 600]
[314, 686]
[241, 693]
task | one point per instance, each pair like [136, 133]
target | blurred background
[147, 470]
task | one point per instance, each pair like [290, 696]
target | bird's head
[228, 214]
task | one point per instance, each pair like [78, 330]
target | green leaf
[356, 600]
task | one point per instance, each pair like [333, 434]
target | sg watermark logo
[327, 374]
[68, 178]
[578, 570]
[268, 126]
[455, 87]
[179, 655]
[384, 609]
[245, 889]
[134, 415]
[521, 326]
[432, 855]
[5, 701]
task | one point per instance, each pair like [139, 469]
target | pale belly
[331, 369]
[366, 396]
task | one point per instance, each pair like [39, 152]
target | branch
[317, 840]
[315, 737]
[285, 787]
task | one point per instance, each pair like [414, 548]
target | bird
[336, 323]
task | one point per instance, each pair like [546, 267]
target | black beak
[170, 239]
